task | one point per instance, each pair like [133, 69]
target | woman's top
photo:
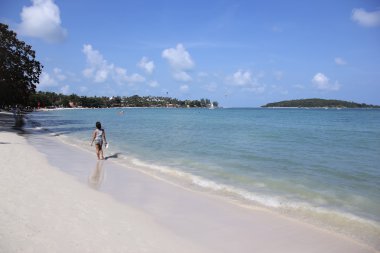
[99, 136]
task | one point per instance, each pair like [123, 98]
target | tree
[19, 71]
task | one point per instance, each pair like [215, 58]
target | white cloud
[180, 61]
[120, 76]
[340, 61]
[181, 76]
[47, 80]
[53, 81]
[42, 20]
[322, 82]
[178, 58]
[94, 58]
[99, 70]
[101, 75]
[241, 78]
[246, 81]
[366, 18]
[146, 65]
[135, 78]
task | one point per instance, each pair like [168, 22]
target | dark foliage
[19, 71]
[51, 99]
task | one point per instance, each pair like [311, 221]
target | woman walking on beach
[99, 136]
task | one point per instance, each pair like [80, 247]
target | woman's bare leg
[98, 149]
[101, 154]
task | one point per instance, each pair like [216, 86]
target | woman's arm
[93, 137]
[104, 136]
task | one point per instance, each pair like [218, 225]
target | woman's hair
[98, 125]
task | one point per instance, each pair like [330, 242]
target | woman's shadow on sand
[96, 176]
[116, 155]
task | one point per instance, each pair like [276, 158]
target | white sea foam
[336, 220]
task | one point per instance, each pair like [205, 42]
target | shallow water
[319, 165]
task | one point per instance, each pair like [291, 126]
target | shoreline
[358, 228]
[202, 220]
[46, 210]
[118, 171]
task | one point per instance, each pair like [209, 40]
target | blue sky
[239, 53]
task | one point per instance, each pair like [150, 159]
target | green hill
[316, 103]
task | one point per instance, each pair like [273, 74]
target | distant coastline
[318, 103]
[53, 100]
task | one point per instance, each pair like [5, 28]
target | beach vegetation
[19, 69]
[53, 100]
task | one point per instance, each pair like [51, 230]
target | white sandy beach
[43, 209]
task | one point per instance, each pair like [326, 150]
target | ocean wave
[270, 201]
[350, 225]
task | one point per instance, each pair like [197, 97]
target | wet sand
[59, 198]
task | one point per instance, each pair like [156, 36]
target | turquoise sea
[317, 165]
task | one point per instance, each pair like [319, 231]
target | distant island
[319, 103]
